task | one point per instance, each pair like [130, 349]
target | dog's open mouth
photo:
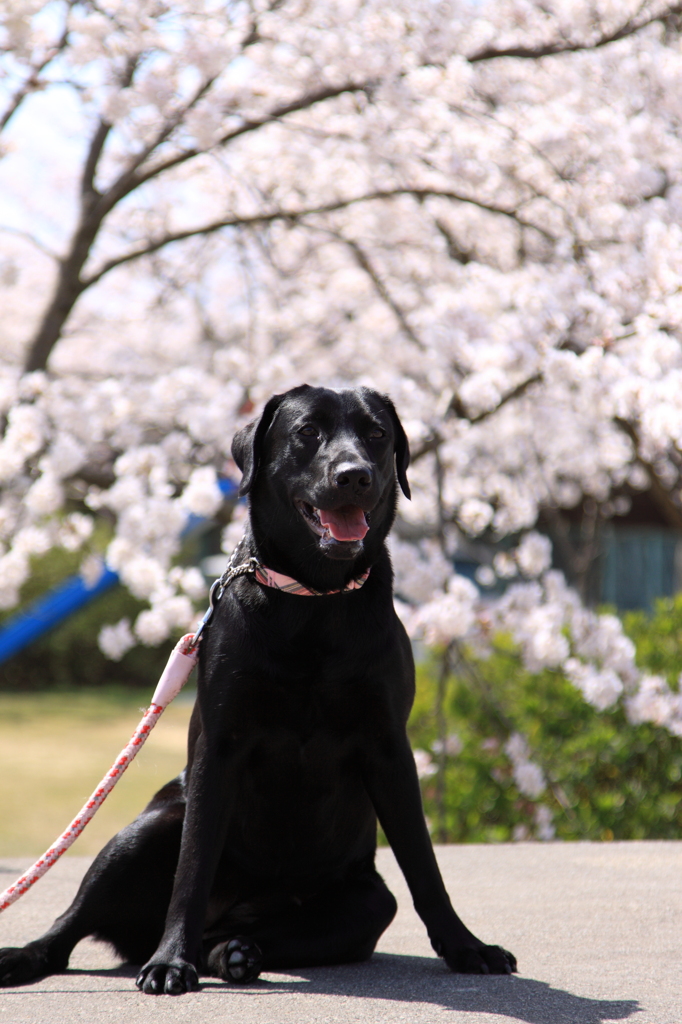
[348, 523]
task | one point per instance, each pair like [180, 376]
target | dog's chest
[303, 711]
[306, 710]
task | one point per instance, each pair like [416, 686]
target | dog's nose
[353, 476]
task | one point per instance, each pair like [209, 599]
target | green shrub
[658, 637]
[607, 779]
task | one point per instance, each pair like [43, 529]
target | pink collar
[279, 581]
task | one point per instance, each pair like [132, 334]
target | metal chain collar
[267, 577]
[218, 589]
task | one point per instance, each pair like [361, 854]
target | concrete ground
[597, 929]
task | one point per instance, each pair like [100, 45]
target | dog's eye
[376, 433]
[308, 431]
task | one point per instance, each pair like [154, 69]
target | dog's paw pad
[241, 961]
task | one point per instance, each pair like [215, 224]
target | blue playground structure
[68, 597]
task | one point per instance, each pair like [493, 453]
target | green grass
[54, 749]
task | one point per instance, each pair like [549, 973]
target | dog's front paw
[480, 960]
[171, 979]
[239, 960]
[21, 964]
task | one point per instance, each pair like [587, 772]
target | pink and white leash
[176, 673]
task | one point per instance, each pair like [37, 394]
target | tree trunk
[68, 289]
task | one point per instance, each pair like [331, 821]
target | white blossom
[483, 390]
[543, 642]
[528, 776]
[516, 748]
[152, 627]
[75, 530]
[66, 455]
[600, 688]
[529, 779]
[474, 515]
[14, 569]
[425, 766]
[544, 825]
[452, 746]
[91, 569]
[177, 610]
[32, 540]
[534, 554]
[190, 580]
[234, 531]
[505, 565]
[45, 496]
[655, 702]
[202, 495]
[120, 550]
[419, 570]
[449, 616]
[142, 575]
[485, 575]
[24, 436]
[115, 641]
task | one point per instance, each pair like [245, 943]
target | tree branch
[131, 179]
[455, 405]
[434, 193]
[628, 28]
[365, 264]
[455, 250]
[88, 191]
[292, 216]
[659, 491]
[31, 83]
[432, 443]
[30, 238]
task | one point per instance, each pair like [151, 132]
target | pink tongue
[347, 523]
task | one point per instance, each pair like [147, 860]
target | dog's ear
[247, 446]
[402, 448]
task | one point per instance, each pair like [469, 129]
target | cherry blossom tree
[474, 207]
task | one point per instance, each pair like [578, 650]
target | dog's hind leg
[122, 899]
[341, 924]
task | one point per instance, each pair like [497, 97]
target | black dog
[261, 854]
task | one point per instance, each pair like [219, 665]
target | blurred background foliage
[607, 779]
[69, 657]
[66, 711]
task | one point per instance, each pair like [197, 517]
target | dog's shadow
[421, 979]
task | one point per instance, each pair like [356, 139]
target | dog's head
[320, 467]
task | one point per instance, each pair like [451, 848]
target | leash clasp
[218, 589]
